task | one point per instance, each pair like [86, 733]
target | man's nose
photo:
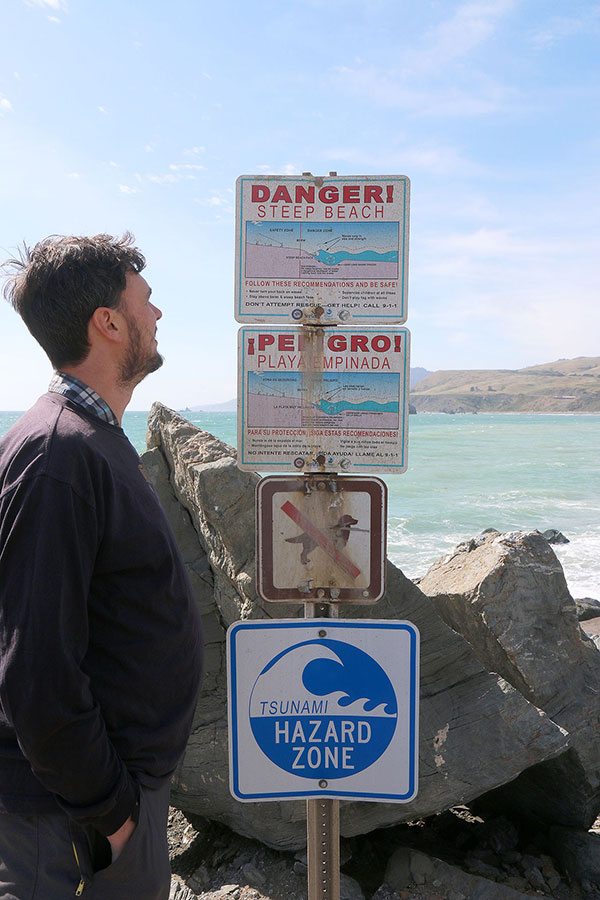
[157, 311]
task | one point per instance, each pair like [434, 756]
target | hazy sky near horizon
[122, 116]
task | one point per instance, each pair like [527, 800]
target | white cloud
[286, 169]
[420, 81]
[126, 189]
[221, 202]
[56, 5]
[532, 289]
[562, 27]
[164, 179]
[74, 175]
[436, 159]
[471, 25]
[178, 172]
[182, 167]
[391, 88]
[103, 110]
[5, 105]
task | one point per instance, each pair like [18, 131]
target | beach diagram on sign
[354, 251]
[342, 400]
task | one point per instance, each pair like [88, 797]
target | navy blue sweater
[100, 642]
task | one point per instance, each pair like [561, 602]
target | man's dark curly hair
[56, 286]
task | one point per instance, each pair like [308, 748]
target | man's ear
[107, 323]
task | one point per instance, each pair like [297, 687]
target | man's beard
[138, 362]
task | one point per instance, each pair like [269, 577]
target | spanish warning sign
[323, 707]
[314, 399]
[322, 250]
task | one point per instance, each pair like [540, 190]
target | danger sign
[323, 399]
[322, 250]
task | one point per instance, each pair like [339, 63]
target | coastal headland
[563, 386]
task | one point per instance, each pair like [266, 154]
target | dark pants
[49, 857]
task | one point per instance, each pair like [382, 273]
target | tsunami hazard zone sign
[323, 708]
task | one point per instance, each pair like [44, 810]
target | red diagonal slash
[322, 540]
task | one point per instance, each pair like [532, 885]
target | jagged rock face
[507, 594]
[477, 731]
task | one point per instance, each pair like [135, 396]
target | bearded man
[100, 641]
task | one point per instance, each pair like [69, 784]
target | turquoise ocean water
[470, 472]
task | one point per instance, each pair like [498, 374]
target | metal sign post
[322, 708]
[323, 819]
[323, 849]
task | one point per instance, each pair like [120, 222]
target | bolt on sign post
[322, 708]
[322, 250]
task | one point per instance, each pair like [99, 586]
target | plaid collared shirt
[75, 390]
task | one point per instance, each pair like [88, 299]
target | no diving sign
[323, 708]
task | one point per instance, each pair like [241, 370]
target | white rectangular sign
[314, 399]
[323, 708]
[320, 538]
[322, 250]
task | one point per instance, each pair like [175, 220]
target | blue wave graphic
[333, 259]
[356, 674]
[332, 409]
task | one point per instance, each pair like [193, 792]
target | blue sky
[120, 115]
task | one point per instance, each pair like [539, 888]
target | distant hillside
[418, 374]
[567, 385]
[228, 406]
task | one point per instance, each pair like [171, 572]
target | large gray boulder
[507, 595]
[476, 730]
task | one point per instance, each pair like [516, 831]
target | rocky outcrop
[506, 593]
[587, 608]
[407, 867]
[478, 730]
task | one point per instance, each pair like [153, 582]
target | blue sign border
[323, 792]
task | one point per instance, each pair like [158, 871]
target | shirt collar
[74, 389]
